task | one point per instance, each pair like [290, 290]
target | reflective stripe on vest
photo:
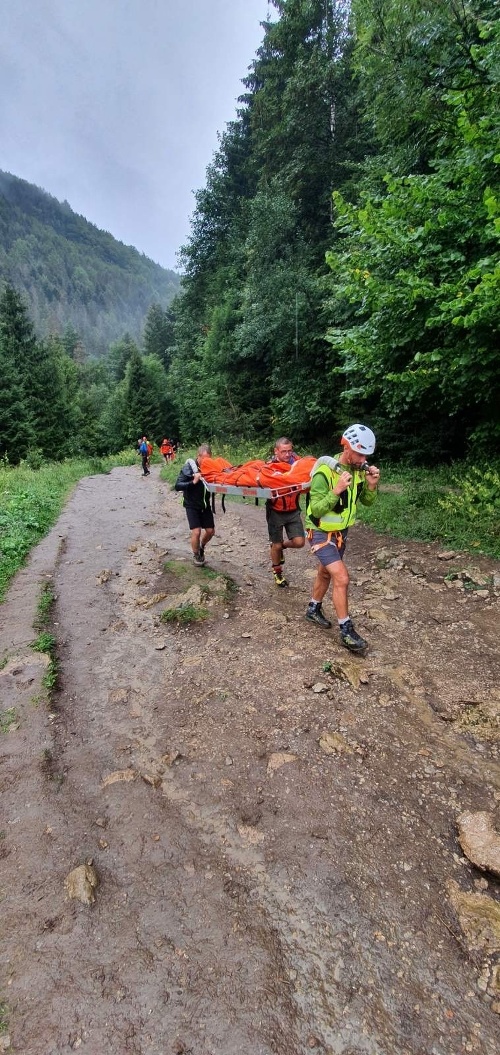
[344, 518]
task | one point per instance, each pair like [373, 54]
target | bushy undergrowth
[457, 505]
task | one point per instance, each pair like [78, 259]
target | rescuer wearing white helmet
[337, 484]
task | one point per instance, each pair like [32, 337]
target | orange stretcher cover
[256, 473]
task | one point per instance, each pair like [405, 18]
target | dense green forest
[72, 274]
[343, 262]
[57, 403]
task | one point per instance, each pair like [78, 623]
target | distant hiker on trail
[167, 450]
[283, 515]
[336, 485]
[150, 451]
[197, 505]
[144, 453]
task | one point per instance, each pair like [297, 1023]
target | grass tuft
[45, 642]
[44, 607]
[4, 1018]
[8, 720]
[185, 615]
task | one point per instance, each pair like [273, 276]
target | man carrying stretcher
[337, 484]
[283, 515]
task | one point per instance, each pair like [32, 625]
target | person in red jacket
[167, 450]
[283, 516]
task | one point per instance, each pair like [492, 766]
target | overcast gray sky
[115, 105]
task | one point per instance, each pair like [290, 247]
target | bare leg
[195, 540]
[340, 585]
[338, 576]
[321, 583]
[294, 543]
[278, 547]
[207, 535]
[276, 553]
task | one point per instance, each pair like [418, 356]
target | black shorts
[199, 518]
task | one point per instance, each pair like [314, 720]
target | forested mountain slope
[72, 273]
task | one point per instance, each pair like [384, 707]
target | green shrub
[477, 495]
[4, 1018]
[458, 507]
[34, 458]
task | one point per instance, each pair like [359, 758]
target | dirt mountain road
[272, 822]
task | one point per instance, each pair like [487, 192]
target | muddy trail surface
[266, 828]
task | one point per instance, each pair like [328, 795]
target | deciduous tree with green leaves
[416, 290]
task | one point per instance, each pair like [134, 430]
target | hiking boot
[279, 579]
[315, 615]
[350, 639]
[199, 559]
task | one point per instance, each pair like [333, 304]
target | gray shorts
[329, 553]
[279, 522]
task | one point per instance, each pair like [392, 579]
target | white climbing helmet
[360, 438]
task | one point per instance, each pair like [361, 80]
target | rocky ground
[228, 835]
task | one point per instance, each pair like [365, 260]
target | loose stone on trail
[480, 841]
[334, 744]
[81, 883]
[119, 776]
[278, 759]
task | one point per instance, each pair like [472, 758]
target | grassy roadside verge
[458, 506]
[31, 501]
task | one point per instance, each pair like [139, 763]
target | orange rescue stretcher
[256, 479]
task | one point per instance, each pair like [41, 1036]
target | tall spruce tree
[159, 333]
[17, 350]
[16, 433]
[119, 356]
[255, 263]
[141, 393]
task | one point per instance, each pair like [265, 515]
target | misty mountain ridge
[71, 273]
